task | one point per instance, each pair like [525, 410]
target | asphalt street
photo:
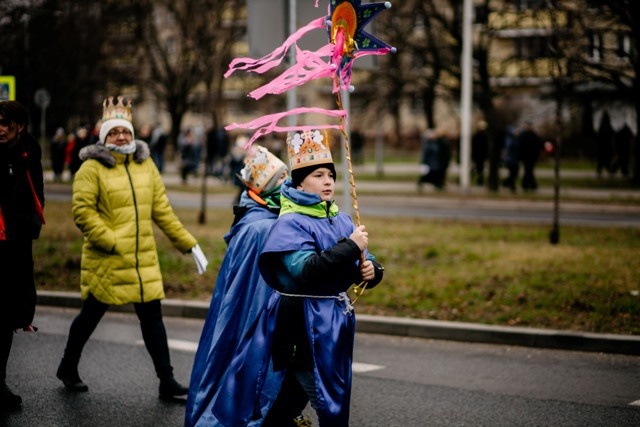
[398, 381]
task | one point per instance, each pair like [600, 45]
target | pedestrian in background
[81, 139]
[235, 163]
[240, 292]
[530, 147]
[623, 142]
[511, 158]
[604, 145]
[479, 151]
[217, 149]
[118, 195]
[434, 159]
[58, 147]
[158, 144]
[187, 144]
[21, 218]
[357, 146]
[144, 133]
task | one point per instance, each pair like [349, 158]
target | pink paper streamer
[273, 59]
[269, 123]
[309, 66]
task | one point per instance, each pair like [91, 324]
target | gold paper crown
[308, 148]
[260, 168]
[117, 111]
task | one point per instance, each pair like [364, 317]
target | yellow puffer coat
[116, 200]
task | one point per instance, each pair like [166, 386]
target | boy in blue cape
[303, 338]
[314, 253]
[240, 293]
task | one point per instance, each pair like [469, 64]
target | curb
[414, 328]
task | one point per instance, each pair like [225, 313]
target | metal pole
[291, 93]
[43, 126]
[554, 236]
[379, 141]
[466, 95]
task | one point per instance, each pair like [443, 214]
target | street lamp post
[26, 19]
[466, 94]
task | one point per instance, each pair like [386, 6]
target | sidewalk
[409, 186]
[415, 328]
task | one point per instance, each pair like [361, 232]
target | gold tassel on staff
[356, 290]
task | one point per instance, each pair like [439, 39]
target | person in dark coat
[81, 140]
[158, 144]
[604, 145]
[217, 149]
[622, 143]
[530, 147]
[21, 218]
[58, 147]
[511, 158]
[435, 157]
[357, 147]
[479, 151]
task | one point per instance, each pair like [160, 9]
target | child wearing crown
[240, 292]
[306, 332]
[313, 255]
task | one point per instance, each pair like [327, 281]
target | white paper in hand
[200, 259]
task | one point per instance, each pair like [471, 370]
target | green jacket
[116, 200]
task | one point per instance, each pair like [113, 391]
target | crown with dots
[261, 168]
[119, 110]
[310, 147]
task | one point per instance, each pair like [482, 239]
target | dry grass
[493, 274]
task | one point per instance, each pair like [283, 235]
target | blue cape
[239, 297]
[329, 322]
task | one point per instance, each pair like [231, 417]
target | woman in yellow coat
[118, 194]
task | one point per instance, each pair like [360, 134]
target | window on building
[533, 47]
[624, 45]
[481, 14]
[595, 46]
[522, 5]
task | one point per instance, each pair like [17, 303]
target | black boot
[8, 400]
[68, 374]
[170, 389]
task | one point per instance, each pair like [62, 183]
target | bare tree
[57, 45]
[187, 44]
[421, 30]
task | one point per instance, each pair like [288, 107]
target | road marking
[183, 345]
[636, 403]
[191, 347]
[365, 367]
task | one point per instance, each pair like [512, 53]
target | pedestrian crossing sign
[7, 88]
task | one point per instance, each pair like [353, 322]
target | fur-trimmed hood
[102, 154]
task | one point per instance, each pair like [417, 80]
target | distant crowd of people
[613, 148]
[520, 150]
[194, 147]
